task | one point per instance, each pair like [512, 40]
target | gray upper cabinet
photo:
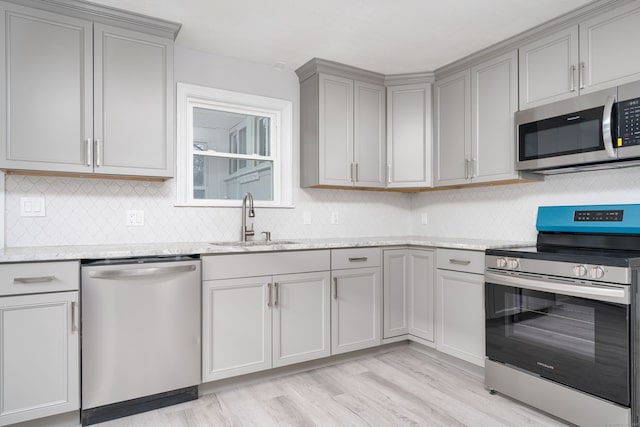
[608, 48]
[47, 69]
[83, 96]
[342, 129]
[453, 129]
[549, 69]
[409, 136]
[133, 97]
[494, 100]
[595, 54]
[474, 123]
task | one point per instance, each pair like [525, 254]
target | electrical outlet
[423, 218]
[135, 218]
[32, 206]
[334, 218]
[306, 218]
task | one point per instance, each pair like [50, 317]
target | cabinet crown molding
[317, 65]
[409, 78]
[106, 15]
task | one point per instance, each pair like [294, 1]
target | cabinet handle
[459, 261]
[572, 76]
[89, 151]
[358, 259]
[74, 321]
[335, 288]
[466, 168]
[352, 172]
[472, 168]
[357, 179]
[582, 70]
[389, 173]
[275, 286]
[98, 153]
[33, 279]
[269, 300]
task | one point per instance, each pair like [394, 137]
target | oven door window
[578, 342]
[568, 134]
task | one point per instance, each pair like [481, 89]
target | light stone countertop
[60, 253]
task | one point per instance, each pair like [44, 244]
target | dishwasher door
[140, 330]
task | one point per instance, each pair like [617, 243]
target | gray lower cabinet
[356, 299]
[408, 286]
[83, 97]
[460, 305]
[39, 340]
[250, 324]
[474, 123]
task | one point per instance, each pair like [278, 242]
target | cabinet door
[494, 100]
[39, 356]
[301, 318]
[369, 135]
[133, 103]
[409, 136]
[335, 133]
[421, 294]
[46, 72]
[460, 311]
[453, 129]
[549, 69]
[355, 309]
[395, 285]
[236, 327]
[608, 46]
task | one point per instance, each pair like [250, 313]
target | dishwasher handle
[140, 272]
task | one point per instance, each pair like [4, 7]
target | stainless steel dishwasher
[140, 335]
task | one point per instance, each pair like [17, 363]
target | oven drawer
[37, 277]
[461, 260]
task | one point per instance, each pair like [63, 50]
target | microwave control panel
[629, 122]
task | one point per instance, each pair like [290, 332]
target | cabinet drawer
[37, 277]
[461, 260]
[263, 264]
[355, 258]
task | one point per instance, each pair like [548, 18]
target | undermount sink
[254, 243]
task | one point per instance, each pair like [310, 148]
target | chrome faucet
[245, 232]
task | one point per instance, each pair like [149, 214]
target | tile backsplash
[93, 211]
[509, 211]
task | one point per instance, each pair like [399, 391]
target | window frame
[280, 113]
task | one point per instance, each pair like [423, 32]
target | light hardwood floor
[401, 387]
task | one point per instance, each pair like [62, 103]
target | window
[231, 143]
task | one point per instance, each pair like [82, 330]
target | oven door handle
[614, 294]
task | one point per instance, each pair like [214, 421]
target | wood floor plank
[402, 387]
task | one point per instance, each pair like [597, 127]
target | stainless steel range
[561, 317]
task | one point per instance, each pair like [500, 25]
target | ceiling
[385, 36]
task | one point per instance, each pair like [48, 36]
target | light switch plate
[424, 218]
[32, 206]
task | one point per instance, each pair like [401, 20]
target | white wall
[90, 211]
[508, 212]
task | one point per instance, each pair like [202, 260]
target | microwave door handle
[606, 127]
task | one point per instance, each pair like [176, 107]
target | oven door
[574, 334]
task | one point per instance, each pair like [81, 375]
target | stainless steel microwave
[600, 130]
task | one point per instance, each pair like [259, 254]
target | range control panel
[600, 215]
